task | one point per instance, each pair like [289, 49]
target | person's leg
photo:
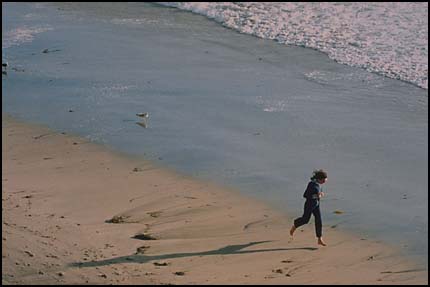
[318, 225]
[302, 220]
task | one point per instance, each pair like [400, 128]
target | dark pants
[311, 207]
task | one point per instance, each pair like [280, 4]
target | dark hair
[319, 174]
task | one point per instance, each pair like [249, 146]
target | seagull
[143, 115]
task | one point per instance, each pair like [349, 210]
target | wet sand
[74, 212]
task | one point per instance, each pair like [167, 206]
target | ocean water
[243, 111]
[389, 38]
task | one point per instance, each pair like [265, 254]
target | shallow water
[227, 107]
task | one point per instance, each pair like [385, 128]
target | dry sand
[71, 210]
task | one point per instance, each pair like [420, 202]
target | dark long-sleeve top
[312, 190]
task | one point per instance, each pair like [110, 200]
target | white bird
[143, 115]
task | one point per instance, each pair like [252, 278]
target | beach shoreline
[227, 107]
[75, 212]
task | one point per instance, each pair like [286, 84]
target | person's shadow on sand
[140, 258]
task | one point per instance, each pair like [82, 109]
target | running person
[313, 193]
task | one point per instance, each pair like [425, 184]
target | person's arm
[314, 191]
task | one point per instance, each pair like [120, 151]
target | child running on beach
[313, 193]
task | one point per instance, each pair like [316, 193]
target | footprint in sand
[142, 249]
[161, 263]
[155, 214]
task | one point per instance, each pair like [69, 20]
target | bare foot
[293, 228]
[321, 242]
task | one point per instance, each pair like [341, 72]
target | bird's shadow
[227, 250]
[142, 124]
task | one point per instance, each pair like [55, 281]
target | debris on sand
[117, 219]
[144, 236]
[29, 253]
[155, 214]
[142, 249]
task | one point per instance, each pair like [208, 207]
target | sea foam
[20, 35]
[388, 38]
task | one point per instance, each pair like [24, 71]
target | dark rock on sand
[117, 219]
[144, 237]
